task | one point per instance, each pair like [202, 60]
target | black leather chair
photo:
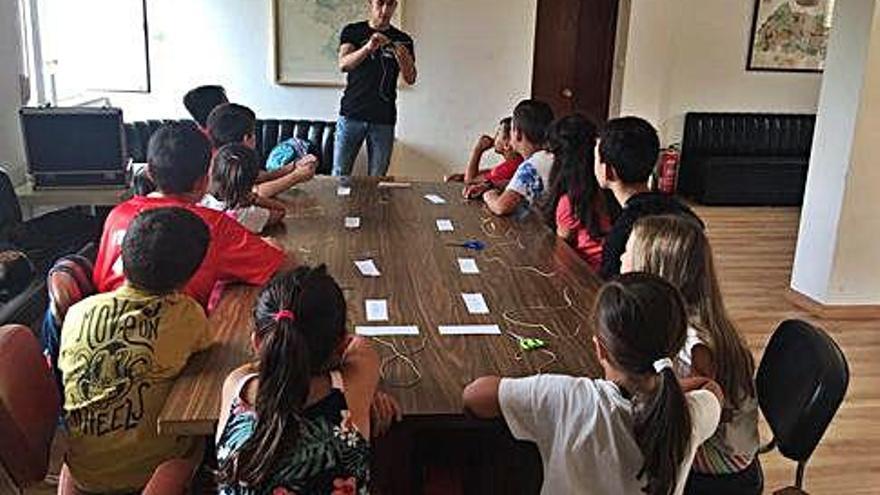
[43, 239]
[801, 382]
[269, 132]
[745, 158]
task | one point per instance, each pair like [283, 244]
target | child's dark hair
[178, 156]
[631, 146]
[234, 174]
[200, 101]
[572, 140]
[640, 319]
[300, 321]
[505, 124]
[230, 123]
[531, 117]
[163, 248]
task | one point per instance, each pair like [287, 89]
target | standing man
[372, 53]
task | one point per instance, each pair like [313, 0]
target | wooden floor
[754, 248]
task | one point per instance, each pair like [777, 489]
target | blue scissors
[472, 244]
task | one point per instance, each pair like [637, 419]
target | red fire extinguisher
[667, 170]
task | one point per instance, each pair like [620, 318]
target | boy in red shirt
[500, 174]
[178, 157]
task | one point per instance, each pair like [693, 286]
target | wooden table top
[527, 276]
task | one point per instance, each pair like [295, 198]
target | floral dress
[329, 456]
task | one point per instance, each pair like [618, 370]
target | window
[77, 51]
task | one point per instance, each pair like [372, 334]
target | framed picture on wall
[790, 35]
[306, 38]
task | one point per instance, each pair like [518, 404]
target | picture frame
[305, 39]
[790, 35]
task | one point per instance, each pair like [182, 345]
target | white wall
[11, 152]
[836, 257]
[690, 55]
[474, 61]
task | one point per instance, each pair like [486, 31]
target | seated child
[531, 179]
[576, 208]
[634, 431]
[676, 249]
[200, 101]
[500, 174]
[626, 156]
[122, 350]
[178, 156]
[233, 123]
[233, 174]
[287, 424]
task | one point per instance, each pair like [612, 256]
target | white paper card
[445, 225]
[475, 303]
[468, 266]
[380, 331]
[377, 309]
[343, 191]
[352, 222]
[367, 268]
[469, 330]
[436, 199]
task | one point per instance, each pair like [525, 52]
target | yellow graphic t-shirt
[120, 354]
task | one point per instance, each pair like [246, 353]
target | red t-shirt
[234, 254]
[504, 171]
[588, 248]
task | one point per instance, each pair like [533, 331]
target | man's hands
[377, 40]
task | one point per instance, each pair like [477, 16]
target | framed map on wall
[790, 35]
[306, 38]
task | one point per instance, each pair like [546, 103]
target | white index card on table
[381, 331]
[343, 191]
[436, 199]
[445, 225]
[352, 222]
[469, 330]
[468, 266]
[367, 268]
[377, 309]
[475, 303]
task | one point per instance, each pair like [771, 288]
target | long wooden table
[527, 276]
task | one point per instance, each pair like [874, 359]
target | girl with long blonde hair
[677, 249]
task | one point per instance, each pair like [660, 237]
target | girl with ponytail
[636, 430]
[287, 427]
[676, 248]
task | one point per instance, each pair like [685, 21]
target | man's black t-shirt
[638, 206]
[371, 89]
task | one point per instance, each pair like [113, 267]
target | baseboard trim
[832, 311]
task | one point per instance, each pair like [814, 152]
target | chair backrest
[269, 132]
[10, 208]
[28, 406]
[801, 382]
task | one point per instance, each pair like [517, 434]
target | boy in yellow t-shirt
[121, 352]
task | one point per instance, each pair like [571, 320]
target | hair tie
[662, 364]
[284, 314]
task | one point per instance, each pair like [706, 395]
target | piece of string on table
[405, 357]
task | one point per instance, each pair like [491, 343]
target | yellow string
[406, 358]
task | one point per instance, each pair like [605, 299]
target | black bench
[269, 133]
[745, 158]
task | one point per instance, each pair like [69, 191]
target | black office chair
[801, 382]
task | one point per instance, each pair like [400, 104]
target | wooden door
[574, 55]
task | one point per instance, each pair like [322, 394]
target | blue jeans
[350, 135]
